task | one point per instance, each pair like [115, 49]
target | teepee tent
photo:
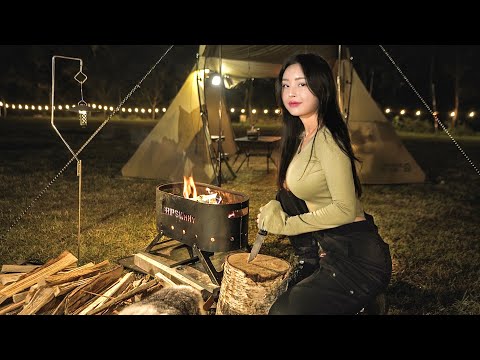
[180, 143]
[384, 158]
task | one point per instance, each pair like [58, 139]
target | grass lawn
[431, 227]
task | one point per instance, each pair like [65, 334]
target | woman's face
[296, 96]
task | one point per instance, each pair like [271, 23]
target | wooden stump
[251, 288]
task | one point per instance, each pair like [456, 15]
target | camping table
[263, 146]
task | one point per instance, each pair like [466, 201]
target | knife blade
[261, 235]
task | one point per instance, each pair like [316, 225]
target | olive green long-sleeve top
[326, 185]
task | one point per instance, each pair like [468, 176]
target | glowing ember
[210, 198]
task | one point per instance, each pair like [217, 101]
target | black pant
[354, 267]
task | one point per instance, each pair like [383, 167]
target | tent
[181, 141]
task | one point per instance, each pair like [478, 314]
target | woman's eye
[284, 85]
[302, 84]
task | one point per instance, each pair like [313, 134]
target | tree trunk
[433, 95]
[154, 105]
[251, 288]
[456, 91]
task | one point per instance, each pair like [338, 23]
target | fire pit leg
[214, 275]
[154, 241]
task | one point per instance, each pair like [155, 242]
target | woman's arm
[341, 210]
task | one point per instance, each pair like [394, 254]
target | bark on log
[115, 289]
[82, 295]
[251, 288]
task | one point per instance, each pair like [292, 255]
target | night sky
[112, 70]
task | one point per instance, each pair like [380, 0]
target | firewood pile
[60, 287]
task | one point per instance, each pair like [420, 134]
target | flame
[189, 188]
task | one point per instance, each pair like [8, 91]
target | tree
[164, 82]
[432, 94]
[458, 67]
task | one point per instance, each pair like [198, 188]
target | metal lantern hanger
[81, 109]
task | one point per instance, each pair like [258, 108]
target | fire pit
[204, 217]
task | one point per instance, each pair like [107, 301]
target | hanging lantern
[82, 109]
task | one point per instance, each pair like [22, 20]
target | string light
[85, 107]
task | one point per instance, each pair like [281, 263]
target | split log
[49, 308]
[41, 298]
[18, 268]
[11, 307]
[31, 293]
[64, 288]
[60, 309]
[251, 288]
[6, 279]
[20, 296]
[166, 281]
[115, 289]
[124, 296]
[84, 271]
[51, 267]
[81, 296]
[187, 275]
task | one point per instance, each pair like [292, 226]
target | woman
[343, 262]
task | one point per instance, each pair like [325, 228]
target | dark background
[113, 70]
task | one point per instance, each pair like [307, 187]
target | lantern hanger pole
[81, 78]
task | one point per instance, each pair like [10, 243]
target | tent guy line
[430, 111]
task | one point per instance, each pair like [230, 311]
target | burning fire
[189, 188]
[190, 192]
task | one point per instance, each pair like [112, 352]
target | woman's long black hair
[320, 81]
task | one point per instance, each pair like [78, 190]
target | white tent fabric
[180, 144]
[177, 145]
[384, 158]
[163, 155]
[241, 62]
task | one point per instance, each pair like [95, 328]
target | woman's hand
[272, 218]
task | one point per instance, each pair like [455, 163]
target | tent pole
[219, 144]
[204, 113]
